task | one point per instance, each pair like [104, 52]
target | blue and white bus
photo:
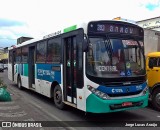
[97, 67]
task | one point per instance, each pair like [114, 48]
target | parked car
[1, 67]
[5, 66]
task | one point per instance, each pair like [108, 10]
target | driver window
[158, 62]
[153, 62]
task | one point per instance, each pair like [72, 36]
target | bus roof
[24, 43]
[65, 30]
[153, 54]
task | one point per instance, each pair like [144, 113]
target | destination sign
[132, 43]
[114, 28]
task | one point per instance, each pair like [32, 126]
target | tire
[19, 83]
[58, 97]
[156, 99]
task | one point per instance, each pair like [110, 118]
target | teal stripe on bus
[25, 69]
[22, 69]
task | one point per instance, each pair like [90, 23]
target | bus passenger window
[41, 52]
[24, 54]
[18, 55]
[54, 50]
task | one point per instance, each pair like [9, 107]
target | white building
[152, 23]
[151, 34]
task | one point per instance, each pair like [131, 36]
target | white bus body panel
[24, 81]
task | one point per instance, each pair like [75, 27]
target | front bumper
[95, 104]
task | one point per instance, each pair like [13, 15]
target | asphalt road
[30, 106]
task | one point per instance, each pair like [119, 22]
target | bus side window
[54, 50]
[10, 56]
[18, 55]
[41, 52]
[24, 54]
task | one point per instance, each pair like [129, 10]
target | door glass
[74, 67]
[71, 71]
[68, 65]
[31, 66]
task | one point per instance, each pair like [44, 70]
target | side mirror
[85, 45]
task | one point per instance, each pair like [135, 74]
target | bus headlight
[98, 93]
[145, 90]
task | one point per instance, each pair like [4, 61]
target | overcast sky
[36, 18]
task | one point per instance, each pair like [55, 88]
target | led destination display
[98, 27]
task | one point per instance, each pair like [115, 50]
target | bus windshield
[115, 57]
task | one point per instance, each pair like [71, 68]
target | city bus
[96, 67]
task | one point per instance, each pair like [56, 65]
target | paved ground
[21, 108]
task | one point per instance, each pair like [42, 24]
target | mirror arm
[85, 43]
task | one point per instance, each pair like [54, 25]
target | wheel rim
[58, 96]
[158, 98]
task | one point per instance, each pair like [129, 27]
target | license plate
[126, 104]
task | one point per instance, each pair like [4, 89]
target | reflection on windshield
[114, 58]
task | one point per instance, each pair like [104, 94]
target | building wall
[151, 34]
[4, 54]
[151, 41]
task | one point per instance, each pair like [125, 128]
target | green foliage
[4, 94]
[1, 82]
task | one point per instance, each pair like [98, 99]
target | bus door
[31, 67]
[72, 63]
[13, 64]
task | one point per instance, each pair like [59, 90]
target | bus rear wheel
[156, 99]
[58, 97]
[19, 83]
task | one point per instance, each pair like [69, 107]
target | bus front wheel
[58, 97]
[156, 99]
